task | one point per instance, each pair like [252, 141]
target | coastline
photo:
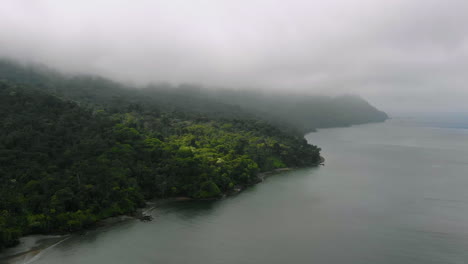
[32, 246]
[261, 176]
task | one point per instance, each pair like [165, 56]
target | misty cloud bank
[399, 54]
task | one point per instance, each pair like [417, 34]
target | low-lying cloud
[400, 54]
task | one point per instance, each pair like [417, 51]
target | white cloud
[384, 50]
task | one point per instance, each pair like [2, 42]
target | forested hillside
[74, 150]
[63, 167]
[303, 113]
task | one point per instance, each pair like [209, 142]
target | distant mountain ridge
[307, 112]
[304, 113]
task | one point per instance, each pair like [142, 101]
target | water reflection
[187, 209]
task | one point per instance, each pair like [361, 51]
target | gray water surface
[389, 193]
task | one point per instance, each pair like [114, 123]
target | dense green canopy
[63, 167]
[76, 150]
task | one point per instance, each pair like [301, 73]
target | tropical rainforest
[77, 149]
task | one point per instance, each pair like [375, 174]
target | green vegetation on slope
[305, 112]
[302, 113]
[63, 167]
[74, 150]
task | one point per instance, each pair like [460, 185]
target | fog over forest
[400, 55]
[121, 112]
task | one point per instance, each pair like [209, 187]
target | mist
[400, 55]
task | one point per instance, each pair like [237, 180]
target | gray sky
[399, 54]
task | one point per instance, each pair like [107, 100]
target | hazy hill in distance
[303, 113]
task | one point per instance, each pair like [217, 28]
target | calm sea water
[395, 192]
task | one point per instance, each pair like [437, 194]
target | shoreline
[33, 245]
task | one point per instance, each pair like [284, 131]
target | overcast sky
[399, 54]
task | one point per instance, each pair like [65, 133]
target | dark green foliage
[63, 167]
[76, 150]
[56, 170]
